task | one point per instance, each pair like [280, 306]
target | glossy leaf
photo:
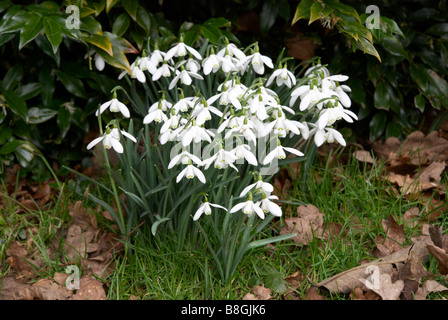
[38, 115]
[30, 29]
[12, 77]
[100, 41]
[315, 11]
[131, 7]
[53, 31]
[16, 103]
[377, 125]
[72, 84]
[302, 11]
[121, 24]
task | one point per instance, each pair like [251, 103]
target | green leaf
[131, 7]
[72, 84]
[11, 146]
[393, 129]
[302, 11]
[15, 22]
[156, 224]
[90, 25]
[420, 102]
[53, 31]
[218, 22]
[440, 29]
[121, 24]
[211, 33]
[144, 20]
[315, 11]
[13, 77]
[44, 44]
[100, 41]
[377, 125]
[16, 103]
[381, 97]
[63, 121]
[30, 30]
[47, 85]
[393, 46]
[30, 90]
[120, 47]
[37, 115]
[268, 15]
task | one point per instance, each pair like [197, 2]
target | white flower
[206, 208]
[249, 207]
[202, 113]
[329, 116]
[192, 65]
[343, 97]
[99, 62]
[282, 126]
[282, 76]
[156, 115]
[114, 106]
[222, 160]
[136, 72]
[164, 70]
[243, 151]
[185, 78]
[326, 134]
[231, 50]
[257, 61]
[190, 133]
[190, 172]
[260, 186]
[279, 153]
[162, 104]
[184, 103]
[269, 206]
[180, 50]
[212, 63]
[111, 139]
[184, 157]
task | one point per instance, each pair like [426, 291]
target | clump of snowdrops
[209, 127]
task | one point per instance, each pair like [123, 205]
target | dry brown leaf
[308, 224]
[441, 256]
[364, 156]
[346, 281]
[46, 289]
[313, 294]
[89, 289]
[259, 293]
[385, 288]
[393, 240]
[11, 288]
[427, 287]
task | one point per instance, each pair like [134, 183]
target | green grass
[349, 193]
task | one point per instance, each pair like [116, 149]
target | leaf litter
[414, 167]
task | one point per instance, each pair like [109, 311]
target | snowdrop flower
[114, 106]
[282, 76]
[111, 139]
[257, 61]
[226, 97]
[183, 104]
[185, 77]
[212, 63]
[100, 63]
[164, 70]
[192, 132]
[343, 96]
[190, 172]
[206, 208]
[171, 123]
[137, 73]
[326, 134]
[249, 207]
[162, 104]
[243, 152]
[267, 205]
[184, 157]
[180, 50]
[279, 153]
[222, 159]
[259, 186]
[156, 115]
[192, 65]
[202, 112]
[231, 50]
[329, 116]
[282, 126]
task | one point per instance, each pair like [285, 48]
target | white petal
[237, 207]
[94, 142]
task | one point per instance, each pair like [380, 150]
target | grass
[351, 194]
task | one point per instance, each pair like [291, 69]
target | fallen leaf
[307, 225]
[441, 256]
[89, 289]
[385, 288]
[393, 240]
[313, 294]
[427, 287]
[259, 293]
[364, 156]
